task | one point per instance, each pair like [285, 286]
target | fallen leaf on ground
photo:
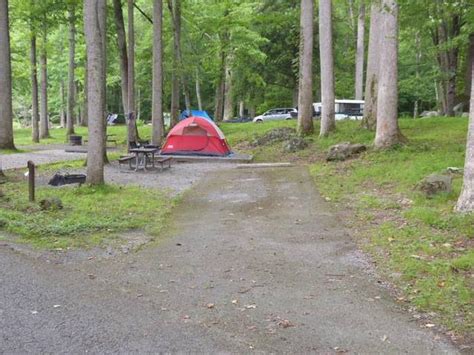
[285, 323]
[384, 338]
[210, 305]
[235, 301]
[250, 306]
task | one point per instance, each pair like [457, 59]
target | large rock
[434, 184]
[429, 114]
[276, 135]
[343, 151]
[294, 144]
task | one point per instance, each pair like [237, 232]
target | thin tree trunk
[241, 109]
[132, 123]
[228, 96]
[122, 49]
[175, 10]
[388, 133]
[328, 120]
[294, 98]
[85, 103]
[157, 99]
[34, 91]
[220, 89]
[62, 96]
[305, 91]
[198, 90]
[252, 111]
[44, 119]
[469, 63]
[187, 96]
[359, 76]
[417, 74]
[6, 110]
[71, 79]
[94, 20]
[373, 59]
[466, 199]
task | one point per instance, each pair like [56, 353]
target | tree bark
[469, 63]
[6, 110]
[305, 94]
[122, 49]
[132, 123]
[62, 96]
[220, 89]
[85, 103]
[198, 90]
[157, 99]
[373, 59]
[71, 79]
[228, 95]
[466, 199]
[360, 51]
[328, 120]
[34, 91]
[175, 10]
[387, 133]
[94, 20]
[44, 119]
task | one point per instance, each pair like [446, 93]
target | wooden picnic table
[142, 157]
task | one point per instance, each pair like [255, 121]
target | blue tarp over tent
[194, 113]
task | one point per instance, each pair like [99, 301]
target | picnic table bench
[162, 161]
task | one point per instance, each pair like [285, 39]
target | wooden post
[31, 180]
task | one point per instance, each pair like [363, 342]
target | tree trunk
[85, 103]
[132, 119]
[220, 89]
[187, 96]
[373, 58]
[294, 98]
[175, 10]
[62, 113]
[94, 18]
[359, 75]
[71, 80]
[198, 90]
[44, 120]
[6, 110]
[388, 133]
[466, 199]
[328, 120]
[157, 99]
[228, 97]
[241, 109]
[469, 63]
[252, 111]
[305, 91]
[34, 91]
[417, 74]
[122, 49]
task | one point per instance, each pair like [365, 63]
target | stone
[51, 204]
[434, 184]
[429, 114]
[275, 135]
[294, 144]
[343, 151]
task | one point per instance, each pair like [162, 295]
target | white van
[344, 109]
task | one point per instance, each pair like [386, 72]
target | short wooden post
[31, 180]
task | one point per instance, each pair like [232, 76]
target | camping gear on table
[196, 136]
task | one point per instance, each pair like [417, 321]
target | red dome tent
[196, 136]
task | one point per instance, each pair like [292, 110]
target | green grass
[91, 215]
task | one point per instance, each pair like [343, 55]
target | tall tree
[6, 111]
[466, 199]
[132, 123]
[387, 133]
[44, 115]
[373, 59]
[157, 98]
[71, 79]
[94, 28]
[328, 119]
[360, 52]
[228, 94]
[305, 95]
[34, 90]
[122, 50]
[175, 10]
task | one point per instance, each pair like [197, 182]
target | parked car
[275, 114]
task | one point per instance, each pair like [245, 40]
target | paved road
[19, 160]
[255, 262]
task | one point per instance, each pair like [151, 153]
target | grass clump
[91, 215]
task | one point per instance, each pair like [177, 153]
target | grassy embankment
[419, 244]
